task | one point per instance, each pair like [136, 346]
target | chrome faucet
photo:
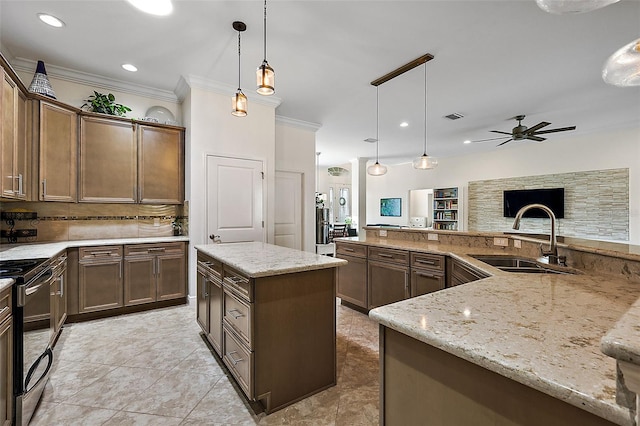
[552, 254]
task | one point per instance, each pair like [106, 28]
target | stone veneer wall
[596, 204]
[85, 221]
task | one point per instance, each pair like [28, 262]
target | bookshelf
[445, 208]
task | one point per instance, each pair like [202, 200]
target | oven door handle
[26, 290]
[46, 354]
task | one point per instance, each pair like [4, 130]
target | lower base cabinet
[352, 277]
[100, 278]
[209, 300]
[388, 283]
[6, 358]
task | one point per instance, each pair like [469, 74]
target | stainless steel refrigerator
[322, 225]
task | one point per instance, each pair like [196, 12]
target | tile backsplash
[70, 221]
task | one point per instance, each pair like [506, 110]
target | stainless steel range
[32, 338]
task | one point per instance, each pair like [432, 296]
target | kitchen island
[270, 314]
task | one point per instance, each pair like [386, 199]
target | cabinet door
[171, 281]
[58, 302]
[352, 280]
[9, 124]
[425, 281]
[202, 300]
[215, 315]
[388, 283]
[108, 167]
[58, 153]
[139, 280]
[100, 285]
[6, 371]
[160, 165]
[22, 165]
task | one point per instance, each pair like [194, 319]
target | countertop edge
[6, 283]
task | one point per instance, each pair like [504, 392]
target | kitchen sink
[518, 264]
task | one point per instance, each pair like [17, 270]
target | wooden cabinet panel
[239, 360]
[358, 250]
[22, 165]
[202, 299]
[428, 261]
[58, 153]
[6, 371]
[160, 165]
[399, 257]
[424, 281]
[8, 136]
[237, 315]
[388, 283]
[139, 280]
[352, 280]
[100, 285]
[459, 273]
[209, 300]
[215, 315]
[108, 161]
[171, 271]
[58, 298]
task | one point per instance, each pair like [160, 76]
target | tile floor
[153, 368]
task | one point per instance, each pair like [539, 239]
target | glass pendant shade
[623, 67]
[239, 104]
[425, 162]
[565, 7]
[266, 79]
[377, 169]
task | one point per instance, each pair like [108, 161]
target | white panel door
[288, 210]
[234, 200]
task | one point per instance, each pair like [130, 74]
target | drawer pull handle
[101, 253]
[236, 280]
[2, 311]
[421, 274]
[157, 249]
[348, 249]
[239, 315]
[426, 262]
[234, 361]
[388, 256]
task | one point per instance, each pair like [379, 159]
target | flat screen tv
[553, 198]
[391, 207]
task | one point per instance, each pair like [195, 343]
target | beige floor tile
[69, 378]
[223, 404]
[49, 414]
[125, 418]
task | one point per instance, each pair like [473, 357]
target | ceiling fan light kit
[521, 132]
[623, 67]
[565, 7]
[265, 76]
[239, 100]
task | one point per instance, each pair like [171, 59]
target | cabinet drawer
[100, 252]
[427, 261]
[5, 304]
[237, 316]
[358, 250]
[238, 283]
[400, 257]
[210, 267]
[153, 249]
[239, 360]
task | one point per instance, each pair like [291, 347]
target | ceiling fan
[521, 132]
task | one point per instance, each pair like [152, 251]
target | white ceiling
[493, 60]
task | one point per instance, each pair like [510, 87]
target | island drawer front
[358, 250]
[5, 304]
[238, 316]
[153, 249]
[237, 282]
[211, 268]
[427, 261]
[100, 252]
[400, 257]
[239, 360]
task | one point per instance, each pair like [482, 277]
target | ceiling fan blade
[562, 129]
[540, 125]
[491, 139]
[497, 131]
[508, 140]
[536, 138]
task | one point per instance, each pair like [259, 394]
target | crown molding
[203, 83]
[300, 124]
[94, 80]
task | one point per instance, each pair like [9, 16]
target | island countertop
[256, 259]
[541, 330]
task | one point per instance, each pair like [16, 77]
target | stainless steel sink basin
[518, 264]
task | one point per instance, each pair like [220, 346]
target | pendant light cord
[425, 108]
[265, 30]
[377, 125]
[238, 60]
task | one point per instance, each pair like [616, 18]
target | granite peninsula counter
[270, 313]
[542, 331]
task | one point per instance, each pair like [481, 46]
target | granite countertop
[50, 249]
[256, 259]
[542, 330]
[5, 283]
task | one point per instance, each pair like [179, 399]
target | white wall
[620, 149]
[295, 152]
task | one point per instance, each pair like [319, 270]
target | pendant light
[265, 75]
[377, 169]
[239, 100]
[623, 67]
[424, 162]
[564, 7]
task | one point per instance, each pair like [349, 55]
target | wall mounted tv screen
[553, 198]
[391, 207]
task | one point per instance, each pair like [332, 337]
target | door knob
[215, 238]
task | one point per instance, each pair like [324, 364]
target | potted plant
[105, 104]
[177, 226]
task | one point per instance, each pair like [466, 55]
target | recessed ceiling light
[467, 142]
[404, 124]
[153, 7]
[50, 20]
[130, 67]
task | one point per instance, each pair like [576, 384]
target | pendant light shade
[239, 100]
[424, 162]
[623, 67]
[377, 169]
[564, 7]
[265, 76]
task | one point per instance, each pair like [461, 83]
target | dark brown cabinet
[113, 180]
[6, 358]
[160, 165]
[352, 277]
[388, 276]
[14, 146]
[427, 273]
[58, 286]
[100, 278]
[209, 300]
[154, 272]
[461, 273]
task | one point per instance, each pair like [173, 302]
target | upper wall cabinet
[15, 152]
[160, 165]
[58, 153]
[108, 155]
